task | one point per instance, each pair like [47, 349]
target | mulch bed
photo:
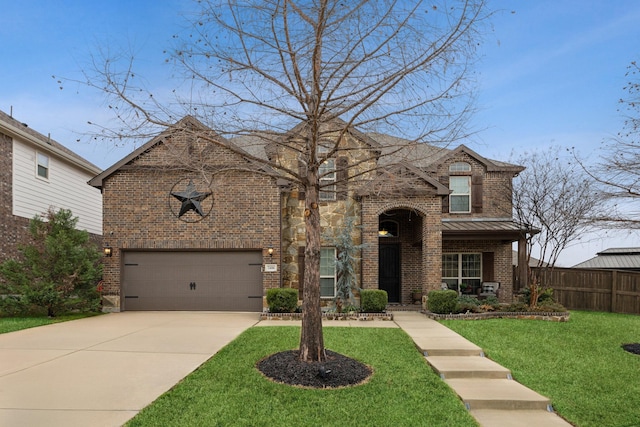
[632, 348]
[336, 371]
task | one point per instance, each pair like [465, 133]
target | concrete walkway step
[522, 418]
[480, 393]
[485, 387]
[467, 367]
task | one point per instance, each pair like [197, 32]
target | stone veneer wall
[333, 216]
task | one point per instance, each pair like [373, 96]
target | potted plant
[416, 296]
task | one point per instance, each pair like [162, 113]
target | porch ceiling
[484, 229]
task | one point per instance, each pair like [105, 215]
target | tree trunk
[311, 338]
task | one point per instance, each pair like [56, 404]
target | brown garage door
[229, 281]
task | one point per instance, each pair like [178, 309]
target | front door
[389, 271]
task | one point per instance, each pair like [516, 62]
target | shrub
[467, 303]
[516, 307]
[551, 306]
[442, 302]
[282, 300]
[13, 305]
[492, 301]
[373, 300]
[59, 264]
[544, 295]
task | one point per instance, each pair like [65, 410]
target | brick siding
[138, 215]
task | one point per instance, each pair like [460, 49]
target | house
[614, 259]
[192, 225]
[37, 173]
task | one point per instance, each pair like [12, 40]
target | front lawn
[11, 324]
[579, 365]
[228, 389]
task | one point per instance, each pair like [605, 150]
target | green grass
[579, 365]
[229, 391]
[11, 324]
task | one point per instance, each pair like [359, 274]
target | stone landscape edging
[529, 315]
[329, 316]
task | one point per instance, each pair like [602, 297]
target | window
[328, 180]
[460, 197]
[42, 165]
[327, 272]
[462, 272]
[460, 167]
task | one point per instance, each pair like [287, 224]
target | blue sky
[551, 72]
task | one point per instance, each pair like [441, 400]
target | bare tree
[299, 76]
[618, 171]
[555, 196]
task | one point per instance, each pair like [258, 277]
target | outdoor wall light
[108, 251]
[270, 251]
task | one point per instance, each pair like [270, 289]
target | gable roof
[403, 178]
[188, 122]
[14, 128]
[491, 165]
[414, 157]
[614, 259]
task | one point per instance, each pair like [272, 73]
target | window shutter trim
[342, 175]
[488, 269]
[476, 193]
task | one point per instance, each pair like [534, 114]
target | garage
[191, 280]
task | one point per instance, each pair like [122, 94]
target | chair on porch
[489, 289]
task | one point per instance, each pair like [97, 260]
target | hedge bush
[467, 303]
[442, 302]
[373, 300]
[282, 300]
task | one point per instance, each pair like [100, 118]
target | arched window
[460, 167]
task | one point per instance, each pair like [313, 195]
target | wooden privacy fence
[614, 291]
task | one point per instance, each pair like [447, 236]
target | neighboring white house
[38, 173]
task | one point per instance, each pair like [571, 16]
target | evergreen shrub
[282, 300]
[442, 302]
[373, 300]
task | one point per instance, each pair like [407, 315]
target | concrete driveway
[101, 371]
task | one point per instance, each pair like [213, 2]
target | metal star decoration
[191, 199]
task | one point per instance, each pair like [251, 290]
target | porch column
[523, 265]
[431, 251]
[369, 261]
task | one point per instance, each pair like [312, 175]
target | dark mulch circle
[632, 348]
[337, 371]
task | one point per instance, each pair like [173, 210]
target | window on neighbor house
[328, 180]
[42, 165]
[462, 272]
[328, 272]
[460, 197]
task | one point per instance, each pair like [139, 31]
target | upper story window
[328, 180]
[460, 197]
[42, 165]
[460, 167]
